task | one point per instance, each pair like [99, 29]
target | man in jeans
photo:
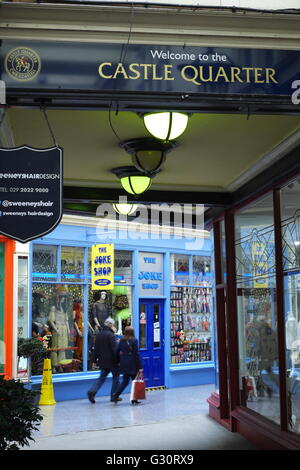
[105, 352]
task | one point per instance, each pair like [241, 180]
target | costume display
[100, 311]
[291, 338]
[78, 324]
[58, 321]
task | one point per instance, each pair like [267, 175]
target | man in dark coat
[105, 352]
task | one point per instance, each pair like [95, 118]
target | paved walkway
[169, 419]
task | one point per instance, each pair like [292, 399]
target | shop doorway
[151, 341]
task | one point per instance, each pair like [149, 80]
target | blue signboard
[147, 68]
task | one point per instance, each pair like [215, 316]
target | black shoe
[135, 402]
[91, 397]
[116, 399]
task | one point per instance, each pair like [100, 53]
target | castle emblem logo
[22, 64]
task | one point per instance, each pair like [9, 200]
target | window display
[256, 302]
[44, 263]
[117, 304]
[191, 324]
[55, 310]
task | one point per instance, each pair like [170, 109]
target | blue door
[151, 341]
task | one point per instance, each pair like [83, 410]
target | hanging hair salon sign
[147, 68]
[30, 191]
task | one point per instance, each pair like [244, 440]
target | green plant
[34, 349]
[18, 416]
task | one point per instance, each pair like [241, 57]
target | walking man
[105, 352]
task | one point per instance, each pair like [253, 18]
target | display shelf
[190, 323]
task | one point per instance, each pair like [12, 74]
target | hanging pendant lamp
[132, 180]
[166, 125]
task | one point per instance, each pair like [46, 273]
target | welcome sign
[148, 68]
[103, 267]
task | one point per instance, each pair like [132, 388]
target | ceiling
[215, 150]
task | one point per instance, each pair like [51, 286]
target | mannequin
[100, 310]
[78, 325]
[58, 321]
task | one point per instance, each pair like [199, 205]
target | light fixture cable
[49, 127]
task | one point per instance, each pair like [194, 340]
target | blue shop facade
[163, 287]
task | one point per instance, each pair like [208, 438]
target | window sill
[197, 365]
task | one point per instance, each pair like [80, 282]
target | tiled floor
[168, 419]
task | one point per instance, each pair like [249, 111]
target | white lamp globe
[166, 125]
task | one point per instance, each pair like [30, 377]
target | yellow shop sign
[103, 267]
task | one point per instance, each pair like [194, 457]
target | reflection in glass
[72, 264]
[201, 270]
[180, 269]
[257, 322]
[290, 227]
[44, 259]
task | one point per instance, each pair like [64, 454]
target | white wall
[260, 4]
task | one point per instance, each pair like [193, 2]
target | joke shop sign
[147, 68]
[150, 277]
[30, 191]
[103, 267]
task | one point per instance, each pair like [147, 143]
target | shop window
[191, 324]
[22, 307]
[180, 272]
[116, 303]
[72, 264]
[57, 309]
[257, 323]
[290, 226]
[201, 270]
[44, 263]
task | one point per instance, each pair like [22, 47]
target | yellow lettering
[247, 70]
[168, 71]
[221, 73]
[257, 75]
[145, 67]
[120, 70]
[137, 72]
[101, 67]
[194, 74]
[201, 74]
[270, 75]
[235, 72]
[154, 76]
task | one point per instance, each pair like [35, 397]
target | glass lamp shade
[136, 184]
[125, 209]
[148, 161]
[166, 125]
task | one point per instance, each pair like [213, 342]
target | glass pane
[156, 326]
[22, 308]
[191, 324]
[257, 322]
[55, 309]
[180, 269]
[143, 327]
[117, 304]
[290, 226]
[44, 259]
[123, 266]
[72, 264]
[292, 332]
[202, 270]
